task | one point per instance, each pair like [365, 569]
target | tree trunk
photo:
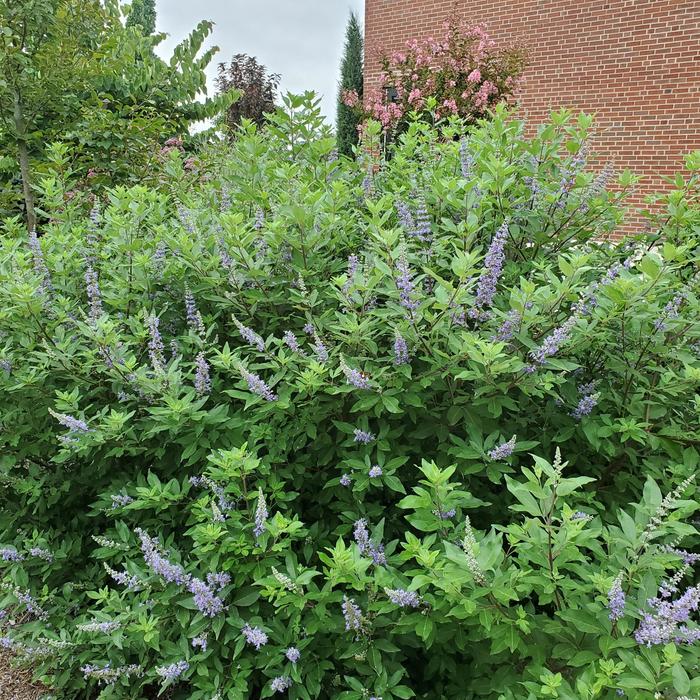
[23, 153]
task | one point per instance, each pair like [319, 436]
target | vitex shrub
[355, 429]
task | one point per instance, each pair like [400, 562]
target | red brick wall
[634, 63]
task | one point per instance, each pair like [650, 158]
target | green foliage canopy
[73, 73]
[143, 14]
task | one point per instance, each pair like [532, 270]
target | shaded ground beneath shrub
[16, 683]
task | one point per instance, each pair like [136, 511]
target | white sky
[301, 39]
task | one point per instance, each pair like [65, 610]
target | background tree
[351, 79]
[43, 47]
[72, 72]
[143, 14]
[139, 102]
[258, 87]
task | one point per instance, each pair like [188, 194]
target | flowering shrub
[463, 73]
[299, 429]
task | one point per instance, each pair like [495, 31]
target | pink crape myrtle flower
[446, 69]
[351, 98]
[415, 96]
[485, 91]
[451, 105]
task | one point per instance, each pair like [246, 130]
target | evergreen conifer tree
[351, 78]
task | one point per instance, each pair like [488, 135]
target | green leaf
[424, 628]
[681, 681]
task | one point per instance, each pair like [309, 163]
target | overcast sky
[301, 39]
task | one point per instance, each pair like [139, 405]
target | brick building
[634, 63]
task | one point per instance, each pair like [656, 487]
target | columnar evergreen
[351, 78]
[143, 13]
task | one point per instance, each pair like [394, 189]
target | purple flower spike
[554, 341]
[7, 554]
[669, 619]
[361, 535]
[254, 636]
[355, 377]
[93, 294]
[119, 500]
[670, 312]
[445, 514]
[207, 602]
[159, 565]
[173, 671]
[281, 684]
[319, 348]
[258, 386]
[109, 675]
[202, 380]
[508, 328]
[123, 578]
[290, 340]
[401, 355]
[156, 349]
[159, 259]
[194, 318]
[41, 553]
[218, 580]
[403, 598]
[363, 436]
[366, 546]
[40, 268]
[353, 262]
[503, 451]
[585, 406]
[260, 515]
[352, 615]
[406, 286]
[250, 336]
[200, 642]
[74, 425]
[466, 159]
[493, 266]
[259, 219]
[616, 599]
[405, 218]
[203, 595]
[423, 230]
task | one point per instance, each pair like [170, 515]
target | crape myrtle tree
[462, 72]
[351, 79]
[258, 87]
